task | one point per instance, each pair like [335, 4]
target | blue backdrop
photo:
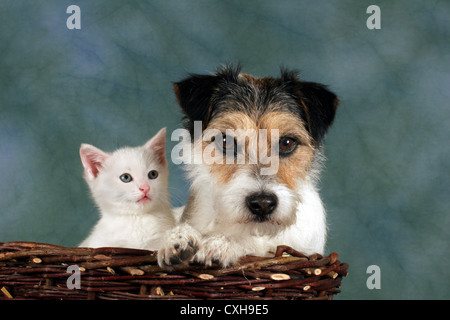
[386, 182]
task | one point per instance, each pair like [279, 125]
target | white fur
[228, 233]
[132, 231]
[125, 222]
[218, 213]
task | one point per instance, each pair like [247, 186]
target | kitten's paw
[219, 249]
[181, 244]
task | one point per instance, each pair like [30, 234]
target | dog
[233, 209]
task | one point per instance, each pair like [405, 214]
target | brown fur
[234, 100]
[290, 168]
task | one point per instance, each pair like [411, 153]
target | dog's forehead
[253, 96]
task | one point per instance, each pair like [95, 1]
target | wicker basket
[30, 270]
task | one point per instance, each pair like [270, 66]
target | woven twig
[31, 270]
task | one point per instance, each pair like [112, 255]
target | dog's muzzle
[261, 205]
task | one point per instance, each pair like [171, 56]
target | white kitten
[129, 187]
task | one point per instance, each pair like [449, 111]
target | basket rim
[112, 272]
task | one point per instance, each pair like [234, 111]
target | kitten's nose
[145, 188]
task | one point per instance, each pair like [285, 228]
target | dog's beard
[234, 215]
[227, 201]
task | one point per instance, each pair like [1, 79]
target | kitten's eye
[153, 174]
[126, 177]
[287, 145]
[226, 143]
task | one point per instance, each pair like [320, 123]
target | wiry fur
[217, 222]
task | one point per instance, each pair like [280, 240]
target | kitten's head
[128, 180]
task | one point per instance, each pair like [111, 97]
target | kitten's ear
[92, 159]
[158, 145]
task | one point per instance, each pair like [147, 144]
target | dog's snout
[262, 204]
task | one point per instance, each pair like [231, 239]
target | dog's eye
[287, 145]
[126, 177]
[226, 144]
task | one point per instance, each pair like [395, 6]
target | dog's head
[251, 123]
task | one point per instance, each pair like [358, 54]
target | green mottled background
[386, 182]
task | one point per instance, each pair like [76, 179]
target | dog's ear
[320, 107]
[317, 105]
[194, 95]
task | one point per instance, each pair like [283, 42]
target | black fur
[321, 105]
[203, 97]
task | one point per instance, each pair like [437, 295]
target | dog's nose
[262, 204]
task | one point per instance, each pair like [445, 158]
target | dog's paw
[180, 245]
[219, 249]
